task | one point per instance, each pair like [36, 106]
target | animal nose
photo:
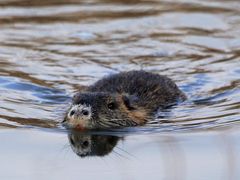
[72, 112]
[85, 112]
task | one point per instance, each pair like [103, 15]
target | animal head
[97, 110]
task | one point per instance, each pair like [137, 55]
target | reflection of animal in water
[91, 145]
[120, 100]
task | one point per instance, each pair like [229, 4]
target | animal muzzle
[79, 115]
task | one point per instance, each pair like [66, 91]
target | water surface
[50, 49]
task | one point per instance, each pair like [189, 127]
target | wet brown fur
[136, 94]
[138, 116]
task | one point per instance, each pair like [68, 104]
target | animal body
[122, 100]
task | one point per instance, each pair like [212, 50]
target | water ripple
[51, 49]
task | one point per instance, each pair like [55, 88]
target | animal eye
[112, 106]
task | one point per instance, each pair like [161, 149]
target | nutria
[121, 100]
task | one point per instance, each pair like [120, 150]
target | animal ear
[129, 101]
[75, 97]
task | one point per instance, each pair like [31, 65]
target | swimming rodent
[122, 100]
